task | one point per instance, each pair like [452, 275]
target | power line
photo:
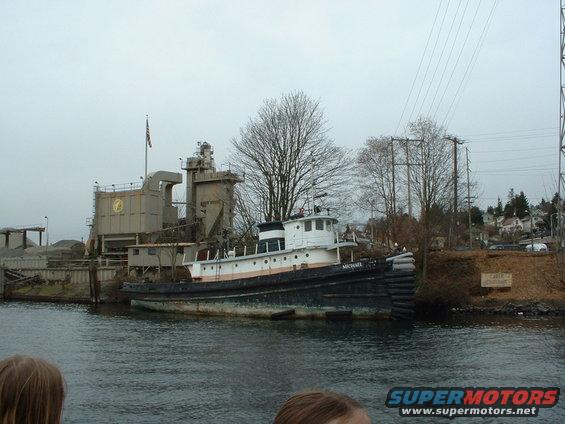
[499, 197]
[513, 150]
[515, 170]
[513, 139]
[514, 131]
[448, 56]
[440, 58]
[429, 63]
[515, 159]
[458, 58]
[470, 67]
[520, 174]
[474, 60]
[516, 136]
[419, 67]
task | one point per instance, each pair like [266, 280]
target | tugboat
[295, 271]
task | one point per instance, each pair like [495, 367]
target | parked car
[502, 246]
[536, 247]
[462, 248]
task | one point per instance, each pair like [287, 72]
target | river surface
[127, 366]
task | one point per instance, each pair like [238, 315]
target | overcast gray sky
[78, 77]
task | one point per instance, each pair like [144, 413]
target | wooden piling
[2, 279]
[94, 284]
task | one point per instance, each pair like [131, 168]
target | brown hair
[31, 391]
[317, 407]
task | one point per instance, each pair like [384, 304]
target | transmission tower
[561, 179]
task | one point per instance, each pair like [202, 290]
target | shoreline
[423, 310]
[505, 308]
[453, 287]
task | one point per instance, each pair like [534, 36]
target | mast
[313, 183]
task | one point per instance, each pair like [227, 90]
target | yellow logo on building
[118, 205]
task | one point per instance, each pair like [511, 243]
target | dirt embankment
[454, 280]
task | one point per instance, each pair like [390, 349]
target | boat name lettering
[351, 265]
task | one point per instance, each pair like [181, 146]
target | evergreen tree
[517, 205]
[498, 211]
[521, 205]
[476, 215]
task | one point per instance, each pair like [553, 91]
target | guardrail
[119, 187]
[86, 262]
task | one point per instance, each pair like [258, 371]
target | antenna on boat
[312, 189]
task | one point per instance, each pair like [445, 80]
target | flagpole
[146, 126]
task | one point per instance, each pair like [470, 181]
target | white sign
[499, 279]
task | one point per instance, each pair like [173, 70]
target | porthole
[212, 267]
[298, 227]
[266, 261]
[284, 259]
[307, 254]
[254, 263]
[220, 267]
[274, 260]
[204, 268]
[295, 256]
[236, 265]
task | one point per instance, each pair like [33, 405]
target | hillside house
[511, 225]
[527, 222]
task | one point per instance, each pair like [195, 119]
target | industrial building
[210, 204]
[132, 213]
[131, 220]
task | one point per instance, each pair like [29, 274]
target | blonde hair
[316, 407]
[32, 391]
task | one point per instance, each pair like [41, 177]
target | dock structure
[210, 203]
[16, 237]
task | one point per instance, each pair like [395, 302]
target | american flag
[147, 134]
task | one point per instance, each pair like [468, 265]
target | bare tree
[248, 214]
[169, 248]
[375, 173]
[432, 179]
[284, 151]
[422, 166]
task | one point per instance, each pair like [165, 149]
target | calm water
[127, 366]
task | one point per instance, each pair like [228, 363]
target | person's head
[321, 407]
[31, 391]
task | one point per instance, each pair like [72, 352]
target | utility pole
[408, 165]
[393, 178]
[469, 200]
[424, 214]
[452, 227]
[561, 177]
[393, 197]
[408, 180]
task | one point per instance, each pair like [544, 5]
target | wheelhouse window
[152, 251]
[319, 224]
[136, 251]
[307, 225]
[328, 225]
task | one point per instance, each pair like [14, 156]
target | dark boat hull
[368, 289]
